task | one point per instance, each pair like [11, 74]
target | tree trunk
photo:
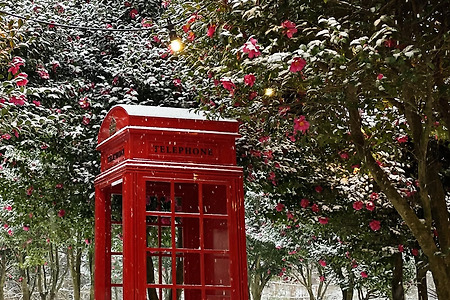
[2, 275]
[74, 259]
[421, 279]
[398, 292]
[91, 260]
[151, 292]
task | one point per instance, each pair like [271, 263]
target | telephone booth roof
[122, 116]
[165, 134]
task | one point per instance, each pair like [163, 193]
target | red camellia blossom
[415, 251]
[322, 278]
[15, 64]
[37, 103]
[375, 225]
[29, 191]
[249, 79]
[84, 103]
[402, 139]
[61, 213]
[252, 95]
[289, 28]
[322, 263]
[358, 205]
[401, 248]
[22, 79]
[373, 196]
[251, 48]
[6, 136]
[304, 203]
[323, 220]
[364, 274]
[18, 100]
[370, 206]
[300, 124]
[133, 13]
[344, 155]
[390, 43]
[297, 64]
[315, 208]
[279, 207]
[228, 85]
[318, 189]
[211, 30]
[191, 36]
[42, 72]
[380, 76]
[86, 120]
[146, 23]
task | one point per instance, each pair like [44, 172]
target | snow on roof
[165, 112]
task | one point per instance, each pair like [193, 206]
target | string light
[269, 92]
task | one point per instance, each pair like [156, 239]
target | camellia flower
[380, 76]
[322, 278]
[26, 228]
[15, 64]
[289, 215]
[415, 251]
[315, 208]
[211, 30]
[370, 205]
[249, 79]
[55, 65]
[22, 79]
[375, 225]
[6, 136]
[177, 82]
[61, 213]
[191, 36]
[133, 13]
[85, 120]
[42, 72]
[364, 274]
[373, 196]
[323, 220]
[318, 189]
[304, 203]
[300, 124]
[322, 263]
[401, 248]
[251, 48]
[279, 207]
[29, 191]
[228, 85]
[344, 155]
[358, 205]
[146, 23]
[402, 139]
[297, 64]
[289, 28]
[37, 103]
[84, 103]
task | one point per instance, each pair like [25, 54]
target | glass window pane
[214, 199]
[158, 293]
[186, 195]
[157, 196]
[188, 266]
[218, 269]
[216, 234]
[116, 269]
[116, 293]
[187, 233]
[159, 233]
[159, 267]
[190, 294]
[116, 238]
[116, 208]
[218, 295]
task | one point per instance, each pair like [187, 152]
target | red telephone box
[169, 212]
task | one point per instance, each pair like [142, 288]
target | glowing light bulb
[269, 92]
[176, 45]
